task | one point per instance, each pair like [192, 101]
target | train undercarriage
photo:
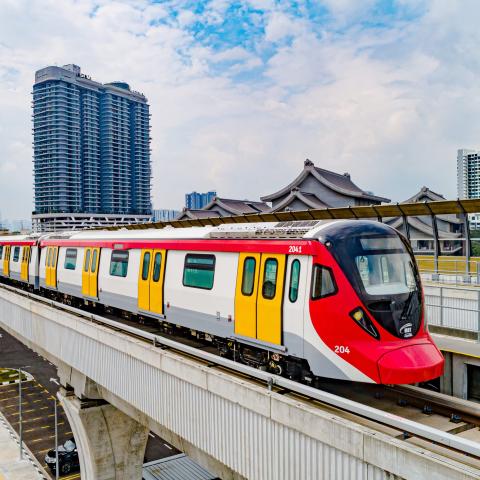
[286, 366]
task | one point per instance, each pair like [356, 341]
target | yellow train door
[53, 268]
[6, 261]
[144, 280]
[87, 260]
[156, 282]
[270, 298]
[93, 283]
[25, 263]
[48, 264]
[246, 295]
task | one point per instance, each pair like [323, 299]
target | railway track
[439, 423]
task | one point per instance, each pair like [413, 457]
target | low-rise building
[421, 228]
[225, 207]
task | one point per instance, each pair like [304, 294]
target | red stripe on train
[293, 247]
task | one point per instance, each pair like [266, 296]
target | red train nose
[411, 364]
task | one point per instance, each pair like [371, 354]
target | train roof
[304, 229]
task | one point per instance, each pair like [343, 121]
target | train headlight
[361, 318]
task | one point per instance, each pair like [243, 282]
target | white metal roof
[176, 467]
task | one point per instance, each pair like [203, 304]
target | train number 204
[294, 249]
[341, 349]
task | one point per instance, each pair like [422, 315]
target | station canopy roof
[414, 209]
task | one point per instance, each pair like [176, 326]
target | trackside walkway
[11, 467]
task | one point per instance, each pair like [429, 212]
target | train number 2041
[294, 249]
[341, 349]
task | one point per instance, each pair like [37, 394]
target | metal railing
[428, 432]
[453, 307]
[449, 270]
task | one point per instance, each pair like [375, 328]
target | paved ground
[38, 407]
[11, 467]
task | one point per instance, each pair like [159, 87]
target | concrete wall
[232, 426]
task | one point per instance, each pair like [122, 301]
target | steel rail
[405, 425]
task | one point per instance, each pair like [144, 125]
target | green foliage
[475, 234]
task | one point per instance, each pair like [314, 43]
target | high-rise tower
[91, 151]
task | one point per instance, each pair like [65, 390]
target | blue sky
[241, 92]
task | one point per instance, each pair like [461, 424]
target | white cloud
[390, 105]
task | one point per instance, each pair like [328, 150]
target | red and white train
[339, 299]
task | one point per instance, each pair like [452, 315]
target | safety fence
[453, 307]
[449, 269]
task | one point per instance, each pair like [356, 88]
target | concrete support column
[111, 445]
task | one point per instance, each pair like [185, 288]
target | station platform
[11, 467]
[456, 345]
[461, 377]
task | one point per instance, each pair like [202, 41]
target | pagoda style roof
[340, 183]
[195, 214]
[237, 207]
[309, 200]
[222, 207]
[427, 195]
[418, 224]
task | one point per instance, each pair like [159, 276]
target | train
[337, 299]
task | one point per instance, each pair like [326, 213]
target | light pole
[56, 433]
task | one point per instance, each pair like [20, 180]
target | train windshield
[384, 267]
[381, 268]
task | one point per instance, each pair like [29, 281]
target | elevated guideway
[237, 422]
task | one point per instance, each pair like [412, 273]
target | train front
[378, 323]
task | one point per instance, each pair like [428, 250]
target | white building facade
[468, 179]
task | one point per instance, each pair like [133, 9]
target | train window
[1, 251]
[248, 278]
[146, 265]
[86, 267]
[119, 263]
[16, 254]
[199, 271]
[70, 259]
[94, 261]
[157, 264]
[294, 280]
[270, 278]
[323, 283]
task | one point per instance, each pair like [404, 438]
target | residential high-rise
[164, 215]
[91, 151]
[468, 179]
[468, 173]
[196, 201]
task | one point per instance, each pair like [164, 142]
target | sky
[242, 92]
